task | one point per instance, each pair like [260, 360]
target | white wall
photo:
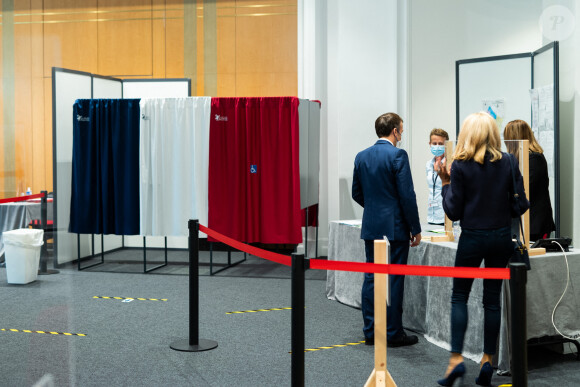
[348, 60]
[442, 32]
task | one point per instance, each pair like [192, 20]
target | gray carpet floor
[127, 343]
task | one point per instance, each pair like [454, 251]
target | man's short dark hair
[385, 124]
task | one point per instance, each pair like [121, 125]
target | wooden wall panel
[125, 38]
[23, 165]
[158, 36]
[256, 44]
[226, 49]
[174, 40]
[39, 138]
[70, 35]
[200, 62]
[266, 49]
[48, 133]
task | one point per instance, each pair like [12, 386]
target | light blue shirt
[435, 212]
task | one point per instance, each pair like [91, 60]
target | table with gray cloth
[19, 215]
[427, 303]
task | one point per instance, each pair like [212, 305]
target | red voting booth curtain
[254, 182]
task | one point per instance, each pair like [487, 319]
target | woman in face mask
[435, 214]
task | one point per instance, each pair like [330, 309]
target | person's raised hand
[444, 174]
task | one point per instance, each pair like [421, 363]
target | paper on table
[353, 223]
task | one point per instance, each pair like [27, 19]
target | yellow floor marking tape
[47, 332]
[505, 385]
[332, 346]
[131, 298]
[257, 310]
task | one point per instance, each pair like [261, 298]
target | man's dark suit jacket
[383, 185]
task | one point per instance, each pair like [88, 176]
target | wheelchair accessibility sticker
[253, 168]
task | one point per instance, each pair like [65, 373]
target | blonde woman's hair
[478, 135]
[520, 130]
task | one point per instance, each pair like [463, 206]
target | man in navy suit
[383, 185]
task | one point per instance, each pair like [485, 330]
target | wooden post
[524, 151]
[380, 375]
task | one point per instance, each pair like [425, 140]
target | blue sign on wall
[253, 169]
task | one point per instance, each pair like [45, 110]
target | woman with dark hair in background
[541, 220]
[476, 192]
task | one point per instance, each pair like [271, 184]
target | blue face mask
[438, 150]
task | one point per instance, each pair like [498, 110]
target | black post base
[183, 345]
[48, 271]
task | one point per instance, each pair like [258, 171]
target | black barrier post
[519, 366]
[194, 343]
[298, 319]
[44, 226]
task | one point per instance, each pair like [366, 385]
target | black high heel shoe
[485, 373]
[457, 373]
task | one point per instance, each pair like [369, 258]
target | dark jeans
[399, 255]
[494, 247]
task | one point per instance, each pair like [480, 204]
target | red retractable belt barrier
[419, 270]
[323, 264]
[21, 198]
[270, 256]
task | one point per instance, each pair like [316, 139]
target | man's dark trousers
[399, 254]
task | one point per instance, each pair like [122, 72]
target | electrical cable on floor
[561, 297]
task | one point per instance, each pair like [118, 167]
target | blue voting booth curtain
[105, 167]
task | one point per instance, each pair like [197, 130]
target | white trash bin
[22, 253]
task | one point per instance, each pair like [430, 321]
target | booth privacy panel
[67, 87]
[544, 125]
[506, 81]
[156, 88]
[107, 87]
[309, 123]
[174, 157]
[254, 176]
[105, 180]
[520, 86]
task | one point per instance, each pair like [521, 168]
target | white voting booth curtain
[174, 157]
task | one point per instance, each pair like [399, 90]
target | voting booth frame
[70, 85]
[380, 375]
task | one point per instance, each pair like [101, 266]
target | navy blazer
[383, 185]
[479, 194]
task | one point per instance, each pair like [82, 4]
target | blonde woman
[475, 192]
[541, 220]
